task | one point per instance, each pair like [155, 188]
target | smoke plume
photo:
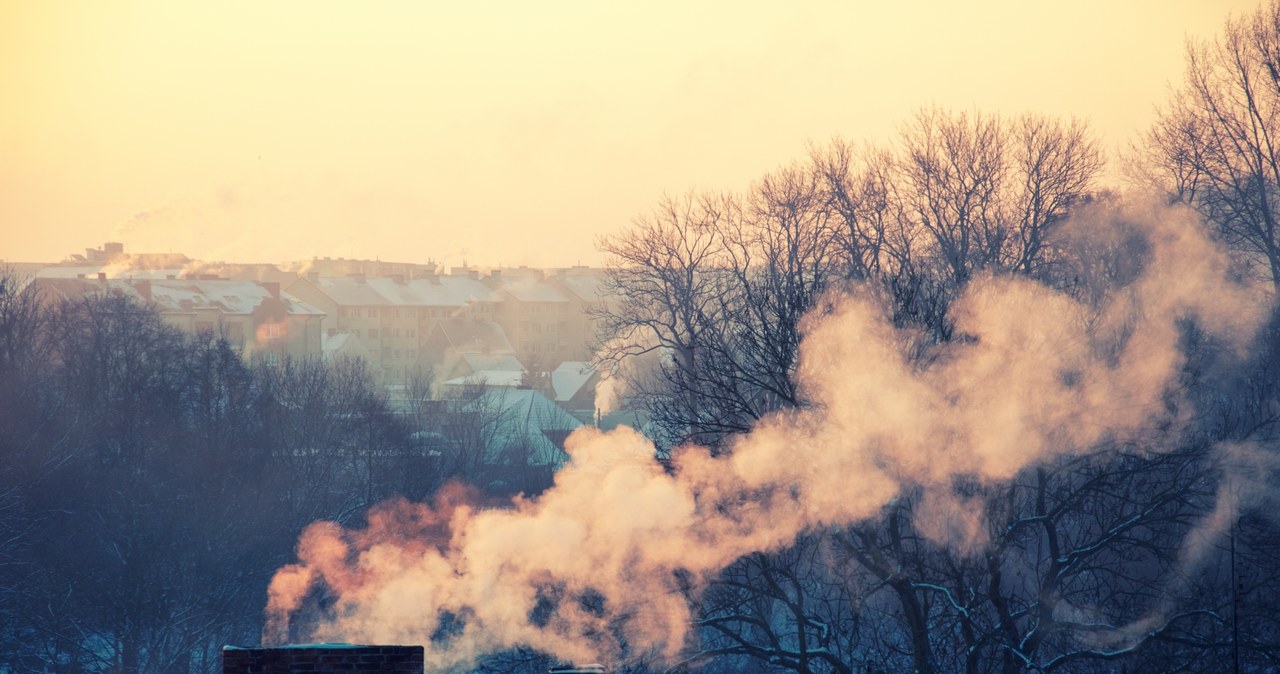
[610, 553]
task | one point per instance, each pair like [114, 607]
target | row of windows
[541, 347]
[422, 314]
[393, 333]
[545, 308]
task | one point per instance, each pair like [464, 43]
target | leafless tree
[1215, 143]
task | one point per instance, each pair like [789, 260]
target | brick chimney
[323, 659]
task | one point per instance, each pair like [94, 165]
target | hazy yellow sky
[502, 132]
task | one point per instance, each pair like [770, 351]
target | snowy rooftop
[586, 285]
[229, 297]
[569, 378]
[468, 335]
[532, 290]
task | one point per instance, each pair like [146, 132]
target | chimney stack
[323, 659]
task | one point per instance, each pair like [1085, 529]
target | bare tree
[1215, 144]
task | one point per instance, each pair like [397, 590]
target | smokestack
[102, 276]
[272, 287]
[144, 288]
[323, 659]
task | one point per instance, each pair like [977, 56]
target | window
[373, 333]
[342, 312]
[409, 333]
[271, 358]
[204, 326]
[410, 354]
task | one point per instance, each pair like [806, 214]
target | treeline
[1141, 554]
[151, 482]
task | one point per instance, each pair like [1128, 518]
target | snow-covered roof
[469, 335]
[527, 422]
[569, 378]
[587, 286]
[110, 271]
[75, 288]
[531, 290]
[228, 297]
[453, 291]
[296, 306]
[502, 378]
[342, 344]
[350, 291]
[438, 291]
[505, 362]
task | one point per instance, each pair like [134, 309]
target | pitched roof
[342, 344]
[229, 297]
[586, 285]
[569, 378]
[502, 378]
[528, 289]
[75, 288]
[470, 335]
[110, 271]
[350, 291]
[527, 422]
[493, 362]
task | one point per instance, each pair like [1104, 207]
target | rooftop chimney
[323, 659]
[102, 276]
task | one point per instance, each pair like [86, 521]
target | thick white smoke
[606, 555]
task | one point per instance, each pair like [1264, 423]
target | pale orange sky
[502, 132]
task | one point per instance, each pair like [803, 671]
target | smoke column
[608, 553]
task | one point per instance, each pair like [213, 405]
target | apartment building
[393, 316]
[535, 315]
[257, 318]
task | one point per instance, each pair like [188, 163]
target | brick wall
[323, 659]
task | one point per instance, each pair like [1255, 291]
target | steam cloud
[607, 553]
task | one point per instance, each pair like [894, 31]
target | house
[573, 387]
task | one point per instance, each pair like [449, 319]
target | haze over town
[503, 133]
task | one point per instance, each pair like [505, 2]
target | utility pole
[1235, 598]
